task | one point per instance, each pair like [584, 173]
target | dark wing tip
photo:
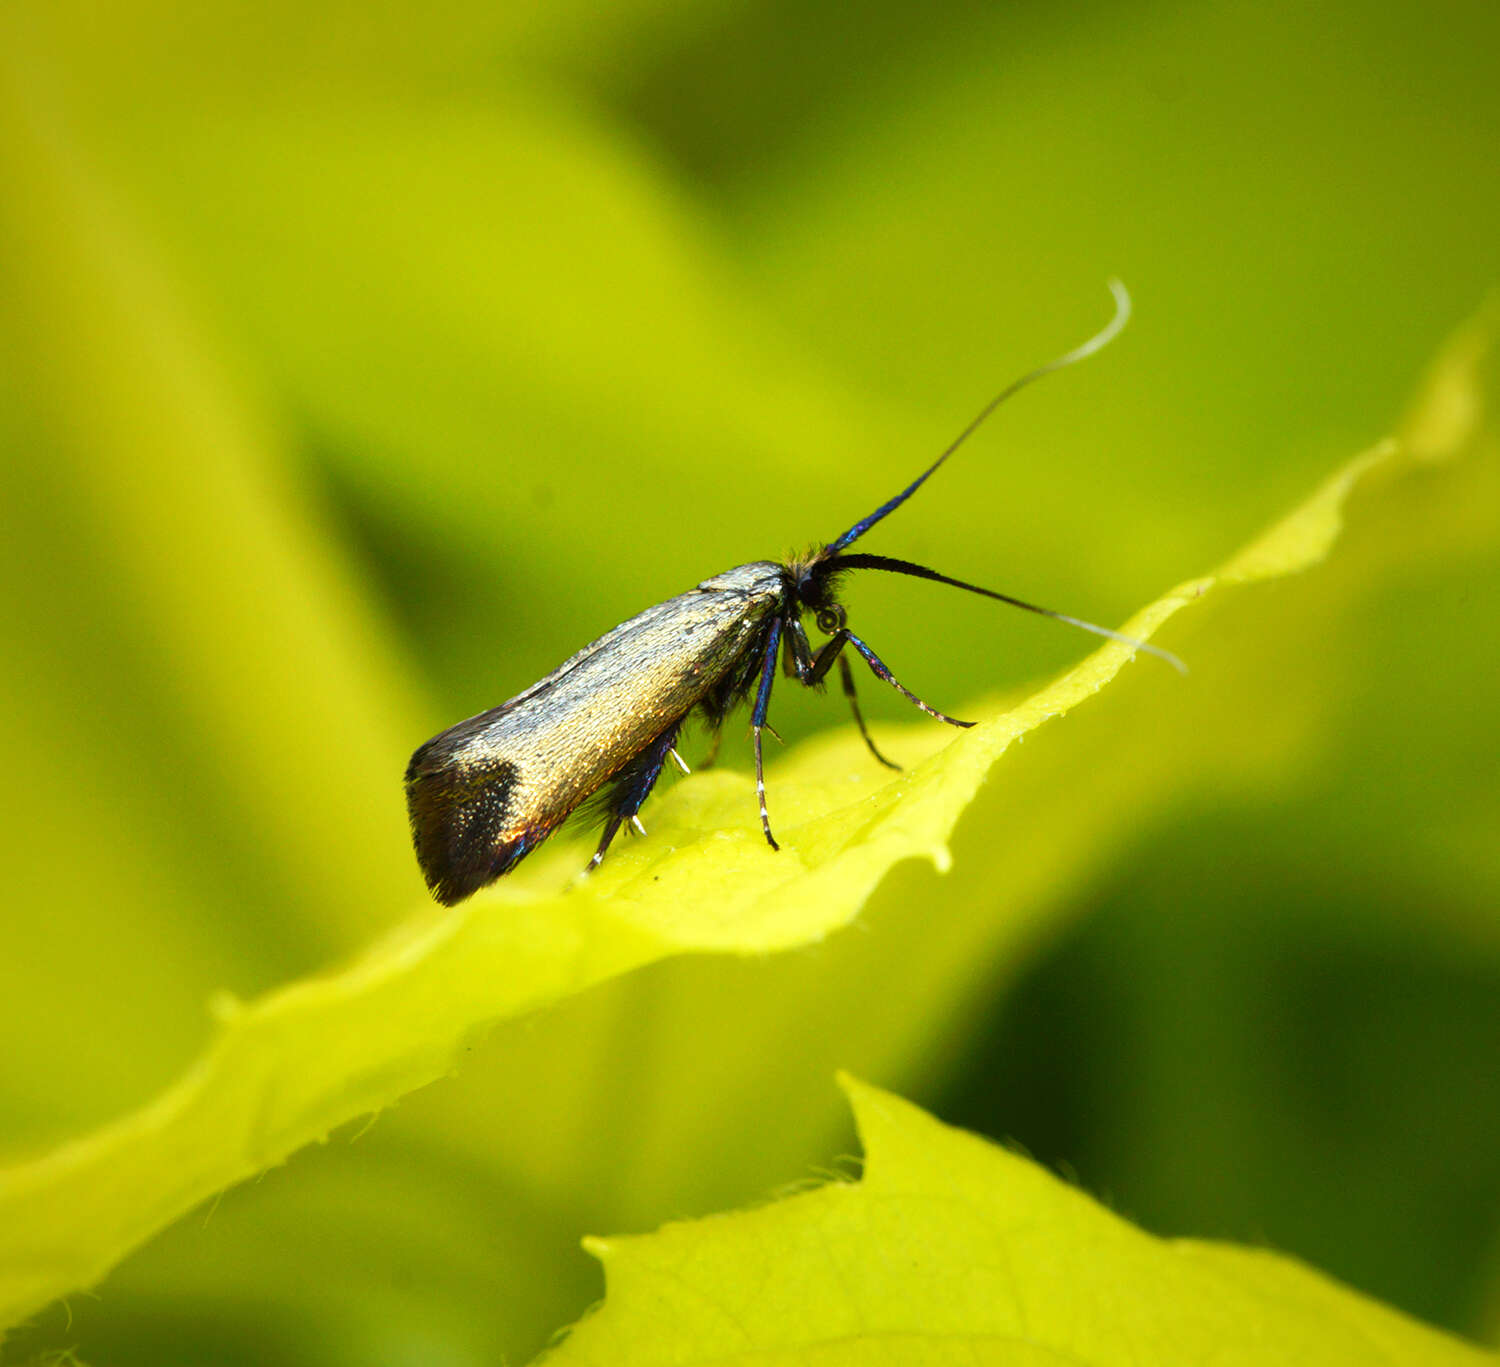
[459, 824]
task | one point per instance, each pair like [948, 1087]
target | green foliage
[292, 1066]
[951, 1249]
[288, 1068]
[356, 365]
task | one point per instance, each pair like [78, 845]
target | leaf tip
[871, 1107]
[1450, 408]
[597, 1247]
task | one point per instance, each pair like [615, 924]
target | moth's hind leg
[630, 787]
[847, 675]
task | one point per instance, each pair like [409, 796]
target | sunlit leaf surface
[950, 1249]
[357, 366]
[288, 1068]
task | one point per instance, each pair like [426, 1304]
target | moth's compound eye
[830, 619]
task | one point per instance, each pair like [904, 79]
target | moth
[486, 792]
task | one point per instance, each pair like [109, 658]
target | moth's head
[813, 581]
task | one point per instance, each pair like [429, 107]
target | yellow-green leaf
[285, 1070]
[950, 1249]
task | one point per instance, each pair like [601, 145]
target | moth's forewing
[460, 809]
[485, 792]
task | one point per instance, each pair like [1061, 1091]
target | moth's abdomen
[463, 819]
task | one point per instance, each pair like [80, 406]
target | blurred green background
[359, 363]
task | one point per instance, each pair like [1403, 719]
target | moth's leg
[630, 788]
[811, 669]
[758, 722]
[714, 737]
[610, 827]
[794, 647]
[798, 653]
[808, 668]
[847, 675]
[877, 667]
[828, 652]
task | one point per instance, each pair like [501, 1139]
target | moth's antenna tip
[1175, 661]
[1097, 342]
